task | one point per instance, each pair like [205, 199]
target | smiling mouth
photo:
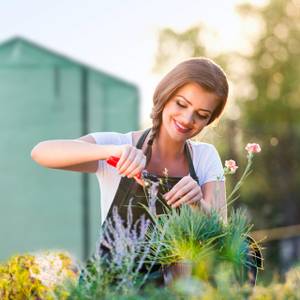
[180, 128]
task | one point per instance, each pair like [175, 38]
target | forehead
[199, 97]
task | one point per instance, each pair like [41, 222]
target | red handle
[113, 160]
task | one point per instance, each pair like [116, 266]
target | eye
[202, 117]
[178, 103]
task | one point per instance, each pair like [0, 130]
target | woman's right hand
[132, 161]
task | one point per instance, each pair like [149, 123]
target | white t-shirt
[206, 161]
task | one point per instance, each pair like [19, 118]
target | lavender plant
[118, 270]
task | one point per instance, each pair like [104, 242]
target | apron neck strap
[142, 138]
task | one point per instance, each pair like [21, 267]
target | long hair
[200, 70]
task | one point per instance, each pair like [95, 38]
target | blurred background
[68, 68]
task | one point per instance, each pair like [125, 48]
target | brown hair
[200, 70]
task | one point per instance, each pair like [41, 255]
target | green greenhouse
[45, 95]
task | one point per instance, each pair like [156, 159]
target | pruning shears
[144, 175]
[151, 181]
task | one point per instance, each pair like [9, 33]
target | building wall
[41, 208]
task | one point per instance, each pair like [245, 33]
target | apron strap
[142, 138]
[188, 150]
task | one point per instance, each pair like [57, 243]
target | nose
[187, 119]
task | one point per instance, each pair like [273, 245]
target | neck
[166, 149]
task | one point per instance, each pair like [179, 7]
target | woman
[189, 98]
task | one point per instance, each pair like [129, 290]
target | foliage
[36, 276]
[190, 235]
[270, 111]
[194, 288]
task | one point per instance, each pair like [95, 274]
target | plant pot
[176, 271]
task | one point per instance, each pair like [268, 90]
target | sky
[120, 37]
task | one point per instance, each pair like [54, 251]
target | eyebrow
[191, 103]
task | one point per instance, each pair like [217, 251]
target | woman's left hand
[185, 191]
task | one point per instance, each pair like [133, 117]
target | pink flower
[231, 165]
[253, 148]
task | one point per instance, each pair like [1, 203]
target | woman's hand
[186, 191]
[132, 162]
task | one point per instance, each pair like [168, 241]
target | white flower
[51, 270]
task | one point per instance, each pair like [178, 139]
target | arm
[214, 197]
[213, 183]
[76, 155]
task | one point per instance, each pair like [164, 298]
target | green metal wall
[43, 96]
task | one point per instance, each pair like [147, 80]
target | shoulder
[204, 154]
[208, 162]
[111, 137]
[203, 148]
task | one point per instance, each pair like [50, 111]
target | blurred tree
[271, 117]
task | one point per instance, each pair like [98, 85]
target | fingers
[191, 197]
[136, 166]
[127, 156]
[128, 163]
[180, 189]
[180, 194]
[123, 158]
[179, 185]
[132, 161]
[186, 191]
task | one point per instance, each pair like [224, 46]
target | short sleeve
[213, 168]
[110, 138]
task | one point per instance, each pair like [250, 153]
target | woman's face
[188, 112]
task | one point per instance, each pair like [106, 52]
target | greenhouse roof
[18, 52]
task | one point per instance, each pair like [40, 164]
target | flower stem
[240, 182]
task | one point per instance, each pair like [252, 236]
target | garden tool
[150, 180]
